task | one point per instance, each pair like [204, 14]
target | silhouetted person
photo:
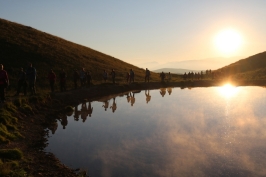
[31, 76]
[114, 106]
[22, 83]
[106, 105]
[147, 75]
[148, 97]
[105, 75]
[185, 76]
[4, 82]
[162, 75]
[52, 79]
[82, 75]
[132, 99]
[169, 77]
[132, 76]
[90, 109]
[162, 91]
[113, 74]
[128, 77]
[62, 77]
[89, 78]
[75, 78]
[169, 90]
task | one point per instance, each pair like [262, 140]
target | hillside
[22, 44]
[253, 67]
[175, 71]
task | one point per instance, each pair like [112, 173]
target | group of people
[26, 79]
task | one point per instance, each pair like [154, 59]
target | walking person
[82, 75]
[132, 76]
[4, 82]
[31, 76]
[89, 78]
[75, 78]
[22, 83]
[105, 75]
[128, 77]
[52, 79]
[113, 76]
[162, 75]
[147, 75]
[169, 77]
[62, 77]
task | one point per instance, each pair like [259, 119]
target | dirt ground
[34, 126]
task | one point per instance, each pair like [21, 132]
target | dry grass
[22, 44]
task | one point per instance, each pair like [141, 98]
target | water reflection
[148, 97]
[90, 109]
[228, 90]
[162, 91]
[190, 133]
[169, 90]
[114, 106]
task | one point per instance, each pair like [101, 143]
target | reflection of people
[169, 90]
[64, 122]
[106, 105]
[132, 98]
[53, 127]
[162, 91]
[83, 111]
[90, 109]
[113, 107]
[148, 97]
[76, 114]
[128, 97]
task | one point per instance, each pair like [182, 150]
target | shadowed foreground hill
[253, 67]
[21, 44]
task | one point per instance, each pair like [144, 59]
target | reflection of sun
[228, 90]
[228, 41]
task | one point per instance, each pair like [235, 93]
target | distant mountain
[175, 71]
[211, 63]
[253, 67]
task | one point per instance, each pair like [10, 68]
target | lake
[169, 132]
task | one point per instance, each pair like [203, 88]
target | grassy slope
[253, 67]
[21, 44]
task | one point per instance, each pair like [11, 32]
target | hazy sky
[141, 31]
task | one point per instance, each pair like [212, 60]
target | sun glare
[228, 90]
[228, 41]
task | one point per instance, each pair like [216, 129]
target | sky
[142, 32]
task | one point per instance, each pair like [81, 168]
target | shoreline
[34, 125]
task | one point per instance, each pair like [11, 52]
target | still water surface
[216, 131]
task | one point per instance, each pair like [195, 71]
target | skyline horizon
[151, 31]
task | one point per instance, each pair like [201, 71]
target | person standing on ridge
[147, 75]
[22, 82]
[31, 76]
[105, 75]
[88, 76]
[4, 82]
[113, 75]
[52, 79]
[82, 75]
[132, 76]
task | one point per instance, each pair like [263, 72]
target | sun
[228, 41]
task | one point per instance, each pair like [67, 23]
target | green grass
[11, 154]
